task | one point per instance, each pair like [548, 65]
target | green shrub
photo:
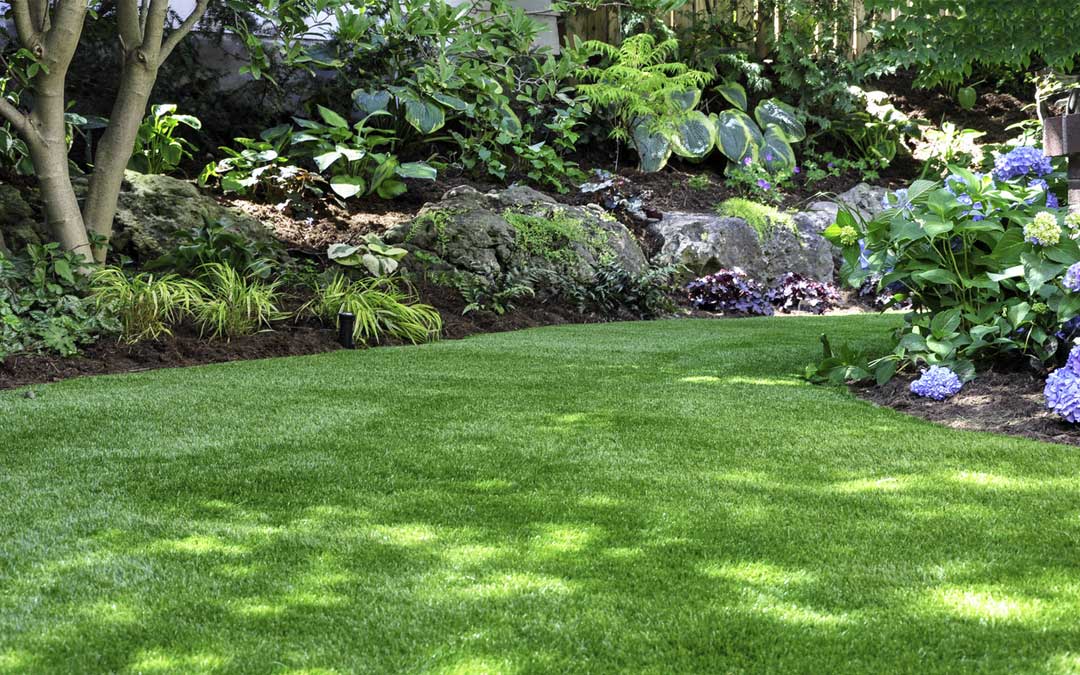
[983, 263]
[43, 304]
[158, 150]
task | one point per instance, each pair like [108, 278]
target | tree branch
[24, 24]
[183, 29]
[127, 19]
[155, 26]
[15, 117]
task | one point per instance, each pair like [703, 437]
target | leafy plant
[378, 258]
[982, 262]
[615, 291]
[158, 150]
[728, 291]
[235, 304]
[795, 292]
[43, 305]
[348, 154]
[648, 97]
[261, 167]
[146, 305]
[382, 309]
[493, 294]
[876, 131]
[220, 242]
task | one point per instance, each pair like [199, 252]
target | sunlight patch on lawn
[563, 538]
[158, 661]
[986, 605]
[201, 545]
[884, 484]
[478, 666]
[507, 585]
[1059, 664]
[406, 534]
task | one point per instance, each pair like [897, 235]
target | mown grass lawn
[659, 497]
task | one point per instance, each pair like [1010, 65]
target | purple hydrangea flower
[764, 184]
[747, 161]
[937, 382]
[1062, 390]
[1071, 280]
[1020, 162]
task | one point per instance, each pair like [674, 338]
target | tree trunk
[114, 148]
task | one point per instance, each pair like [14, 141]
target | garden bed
[187, 348]
[1009, 403]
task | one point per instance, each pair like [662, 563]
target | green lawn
[659, 497]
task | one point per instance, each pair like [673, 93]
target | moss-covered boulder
[19, 225]
[152, 209]
[516, 231]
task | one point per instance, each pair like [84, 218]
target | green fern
[639, 83]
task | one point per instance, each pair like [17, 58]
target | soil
[993, 112]
[1000, 402]
[186, 348]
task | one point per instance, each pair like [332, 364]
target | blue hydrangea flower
[1020, 162]
[937, 382]
[1062, 390]
[1042, 185]
[1069, 329]
[1071, 280]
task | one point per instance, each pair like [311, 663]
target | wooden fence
[605, 23]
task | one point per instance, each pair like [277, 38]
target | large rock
[704, 242]
[18, 224]
[153, 209]
[515, 230]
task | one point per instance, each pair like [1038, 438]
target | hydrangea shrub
[983, 259]
[938, 383]
[1062, 390]
[728, 291]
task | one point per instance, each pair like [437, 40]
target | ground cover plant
[648, 496]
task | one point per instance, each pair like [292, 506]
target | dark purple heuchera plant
[729, 291]
[794, 291]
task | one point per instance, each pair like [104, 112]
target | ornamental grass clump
[728, 291]
[1062, 390]
[938, 383]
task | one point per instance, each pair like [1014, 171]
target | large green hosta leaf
[694, 135]
[776, 151]
[653, 148]
[781, 115]
[737, 136]
[369, 102]
[425, 116]
[687, 100]
[734, 93]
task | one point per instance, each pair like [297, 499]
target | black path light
[1061, 138]
[346, 325]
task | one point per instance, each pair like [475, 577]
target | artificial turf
[651, 497]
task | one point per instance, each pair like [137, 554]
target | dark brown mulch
[1001, 402]
[186, 348]
[993, 112]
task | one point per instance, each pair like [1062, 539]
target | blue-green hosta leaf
[776, 151]
[694, 135]
[347, 186]
[737, 136]
[734, 93]
[416, 170]
[343, 253]
[653, 148]
[686, 100]
[368, 102]
[772, 111]
[425, 116]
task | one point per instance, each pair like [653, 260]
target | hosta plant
[157, 147]
[377, 257]
[984, 263]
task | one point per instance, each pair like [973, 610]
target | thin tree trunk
[114, 148]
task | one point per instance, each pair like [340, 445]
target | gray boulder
[515, 230]
[705, 243]
[153, 209]
[19, 224]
